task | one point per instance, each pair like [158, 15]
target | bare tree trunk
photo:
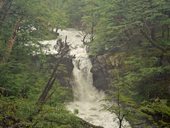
[120, 114]
[120, 123]
[63, 50]
[84, 39]
[48, 86]
[120, 117]
[92, 32]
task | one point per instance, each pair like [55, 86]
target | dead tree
[62, 51]
[84, 39]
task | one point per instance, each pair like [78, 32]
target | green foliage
[36, 20]
[24, 73]
[61, 95]
[143, 69]
[159, 110]
[12, 78]
[57, 117]
[140, 82]
[120, 21]
[73, 10]
[141, 79]
[19, 110]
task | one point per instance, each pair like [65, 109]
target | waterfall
[88, 100]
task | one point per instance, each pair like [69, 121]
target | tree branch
[152, 41]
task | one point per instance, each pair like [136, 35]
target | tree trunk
[153, 42]
[48, 86]
[168, 32]
[63, 50]
[12, 39]
[92, 32]
[120, 123]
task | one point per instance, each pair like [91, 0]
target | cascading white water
[88, 100]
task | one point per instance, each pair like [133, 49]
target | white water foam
[88, 101]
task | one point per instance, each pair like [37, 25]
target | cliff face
[103, 67]
[143, 76]
[146, 62]
[100, 70]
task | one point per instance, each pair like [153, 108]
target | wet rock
[100, 73]
[102, 69]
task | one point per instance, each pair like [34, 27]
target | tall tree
[19, 17]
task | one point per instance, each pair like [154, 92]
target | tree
[62, 51]
[27, 17]
[73, 9]
[90, 17]
[119, 107]
[120, 21]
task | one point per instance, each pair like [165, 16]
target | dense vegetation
[25, 69]
[134, 35]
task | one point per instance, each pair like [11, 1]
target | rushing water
[88, 101]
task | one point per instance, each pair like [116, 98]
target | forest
[127, 43]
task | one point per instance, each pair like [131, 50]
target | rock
[100, 73]
[102, 69]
